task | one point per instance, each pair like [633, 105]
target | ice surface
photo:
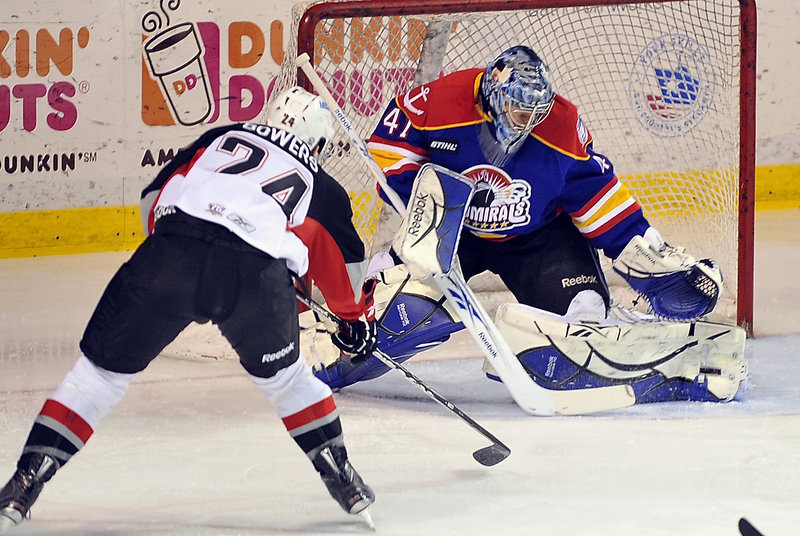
[195, 449]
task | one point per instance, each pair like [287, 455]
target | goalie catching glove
[675, 285]
[356, 339]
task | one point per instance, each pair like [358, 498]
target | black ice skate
[19, 494]
[343, 482]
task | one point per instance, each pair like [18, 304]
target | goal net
[665, 86]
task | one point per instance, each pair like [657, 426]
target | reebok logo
[551, 366]
[646, 253]
[580, 280]
[162, 210]
[268, 358]
[241, 222]
[444, 146]
[401, 310]
[417, 214]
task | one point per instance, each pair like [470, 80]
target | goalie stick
[488, 456]
[530, 396]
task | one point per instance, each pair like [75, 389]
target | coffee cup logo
[173, 58]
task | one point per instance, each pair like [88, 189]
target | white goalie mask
[306, 116]
[516, 92]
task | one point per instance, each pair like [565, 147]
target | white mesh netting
[657, 84]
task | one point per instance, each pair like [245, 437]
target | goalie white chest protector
[255, 181]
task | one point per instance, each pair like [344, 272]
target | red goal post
[667, 88]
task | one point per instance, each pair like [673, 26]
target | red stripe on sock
[67, 417]
[310, 414]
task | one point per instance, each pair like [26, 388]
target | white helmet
[306, 116]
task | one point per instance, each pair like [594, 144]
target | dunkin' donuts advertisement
[97, 95]
[91, 106]
[191, 65]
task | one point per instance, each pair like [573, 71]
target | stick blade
[747, 529]
[491, 455]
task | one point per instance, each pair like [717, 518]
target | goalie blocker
[427, 240]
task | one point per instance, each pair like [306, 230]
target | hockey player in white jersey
[231, 218]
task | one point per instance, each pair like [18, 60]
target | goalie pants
[193, 270]
[545, 269]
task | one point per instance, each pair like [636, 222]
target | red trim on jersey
[560, 129]
[593, 201]
[613, 221]
[497, 238]
[326, 267]
[306, 416]
[71, 420]
[402, 169]
[449, 101]
[453, 100]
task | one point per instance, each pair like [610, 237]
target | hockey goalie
[661, 359]
[499, 173]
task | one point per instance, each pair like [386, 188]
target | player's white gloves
[674, 284]
[357, 338]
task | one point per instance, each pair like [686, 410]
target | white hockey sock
[293, 389]
[91, 391]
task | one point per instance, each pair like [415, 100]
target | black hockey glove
[356, 339]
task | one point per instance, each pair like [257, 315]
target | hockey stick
[747, 529]
[530, 396]
[488, 456]
[304, 62]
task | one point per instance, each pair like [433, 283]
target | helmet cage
[524, 120]
[517, 94]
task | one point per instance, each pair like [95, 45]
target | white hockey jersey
[255, 181]
[263, 184]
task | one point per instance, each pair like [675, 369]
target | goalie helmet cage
[666, 87]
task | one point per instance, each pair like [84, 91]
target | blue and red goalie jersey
[555, 170]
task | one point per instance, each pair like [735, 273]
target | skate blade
[365, 515]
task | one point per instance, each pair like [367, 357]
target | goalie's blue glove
[675, 285]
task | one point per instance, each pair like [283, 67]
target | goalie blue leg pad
[410, 324]
[551, 369]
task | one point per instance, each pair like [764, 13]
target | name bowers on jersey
[287, 141]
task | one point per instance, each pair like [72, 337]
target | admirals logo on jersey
[498, 204]
[672, 85]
